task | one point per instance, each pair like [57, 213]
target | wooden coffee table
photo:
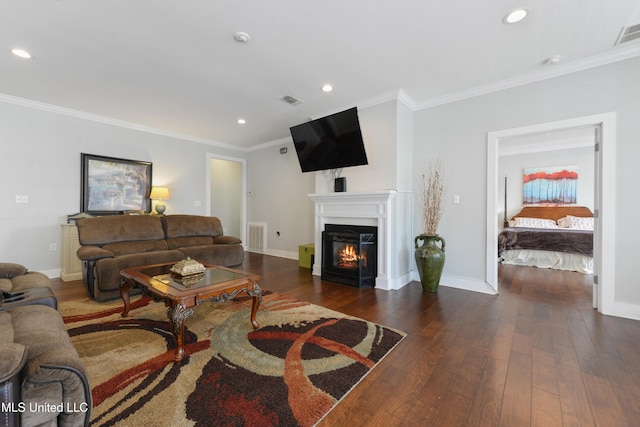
[183, 294]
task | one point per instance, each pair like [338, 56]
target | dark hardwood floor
[535, 355]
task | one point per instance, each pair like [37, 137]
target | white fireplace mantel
[389, 210]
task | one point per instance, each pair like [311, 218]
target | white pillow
[533, 222]
[580, 223]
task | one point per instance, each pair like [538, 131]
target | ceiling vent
[629, 33]
[290, 100]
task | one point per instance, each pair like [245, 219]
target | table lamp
[160, 194]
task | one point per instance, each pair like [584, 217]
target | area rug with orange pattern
[291, 371]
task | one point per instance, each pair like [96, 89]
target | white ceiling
[174, 65]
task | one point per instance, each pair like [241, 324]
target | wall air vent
[290, 100]
[629, 33]
[256, 241]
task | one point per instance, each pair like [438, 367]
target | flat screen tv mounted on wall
[331, 142]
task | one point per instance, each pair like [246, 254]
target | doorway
[604, 203]
[226, 188]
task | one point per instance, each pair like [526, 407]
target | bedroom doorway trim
[239, 201]
[604, 203]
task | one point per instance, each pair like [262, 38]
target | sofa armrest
[80, 398]
[10, 269]
[63, 366]
[226, 240]
[12, 359]
[93, 253]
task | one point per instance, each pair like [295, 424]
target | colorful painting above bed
[550, 186]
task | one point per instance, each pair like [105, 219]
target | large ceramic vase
[430, 260]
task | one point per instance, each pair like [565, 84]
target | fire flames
[348, 257]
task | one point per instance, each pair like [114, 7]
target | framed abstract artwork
[112, 186]
[550, 186]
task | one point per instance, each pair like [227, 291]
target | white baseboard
[316, 269]
[460, 283]
[467, 284]
[393, 284]
[621, 309]
[52, 274]
[282, 254]
[399, 282]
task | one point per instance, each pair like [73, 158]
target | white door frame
[243, 166]
[604, 242]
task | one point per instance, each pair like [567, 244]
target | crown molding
[394, 95]
[273, 143]
[37, 105]
[546, 146]
[406, 100]
[371, 102]
[620, 54]
[397, 95]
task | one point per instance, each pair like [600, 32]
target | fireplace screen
[349, 254]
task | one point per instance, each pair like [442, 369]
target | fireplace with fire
[349, 254]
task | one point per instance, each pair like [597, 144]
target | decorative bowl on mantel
[188, 267]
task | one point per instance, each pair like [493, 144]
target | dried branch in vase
[431, 183]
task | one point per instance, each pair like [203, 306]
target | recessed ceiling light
[515, 16]
[327, 88]
[21, 53]
[241, 121]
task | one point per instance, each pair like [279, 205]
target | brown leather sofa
[110, 244]
[42, 379]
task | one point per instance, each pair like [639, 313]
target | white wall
[40, 153]
[278, 196]
[457, 131]
[379, 132]
[404, 155]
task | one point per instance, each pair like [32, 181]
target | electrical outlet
[53, 247]
[22, 198]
